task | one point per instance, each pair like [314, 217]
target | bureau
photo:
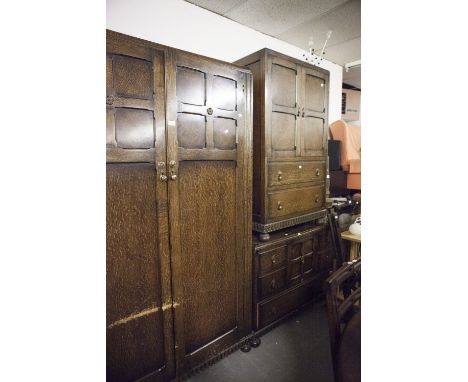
[289, 271]
[290, 122]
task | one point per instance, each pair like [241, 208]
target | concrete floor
[296, 351]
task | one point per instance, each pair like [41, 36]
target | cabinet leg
[246, 347]
[255, 342]
[264, 236]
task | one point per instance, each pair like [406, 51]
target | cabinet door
[209, 143]
[281, 114]
[138, 315]
[314, 96]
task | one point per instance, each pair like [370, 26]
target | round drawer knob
[209, 111]
[280, 206]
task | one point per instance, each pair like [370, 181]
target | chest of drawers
[289, 271]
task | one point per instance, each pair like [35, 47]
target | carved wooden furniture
[343, 296]
[290, 140]
[355, 244]
[289, 271]
[178, 209]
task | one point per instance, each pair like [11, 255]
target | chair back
[343, 299]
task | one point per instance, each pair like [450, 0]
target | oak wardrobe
[178, 147]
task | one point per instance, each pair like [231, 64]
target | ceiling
[299, 21]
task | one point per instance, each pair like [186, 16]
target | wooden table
[355, 248]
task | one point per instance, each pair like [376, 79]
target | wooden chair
[339, 247]
[343, 300]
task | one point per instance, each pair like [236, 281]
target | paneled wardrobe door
[138, 294]
[313, 103]
[210, 211]
[282, 108]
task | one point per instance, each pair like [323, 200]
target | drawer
[272, 259]
[295, 201]
[277, 307]
[311, 265]
[281, 173]
[271, 283]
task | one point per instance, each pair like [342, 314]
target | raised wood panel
[135, 333]
[191, 86]
[283, 86]
[134, 128]
[283, 134]
[313, 135]
[133, 77]
[224, 133]
[208, 248]
[191, 130]
[314, 96]
[224, 93]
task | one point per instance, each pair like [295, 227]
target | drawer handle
[280, 176]
[316, 199]
[273, 284]
[274, 259]
[317, 172]
[280, 206]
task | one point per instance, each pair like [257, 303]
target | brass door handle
[162, 170]
[173, 175]
[280, 206]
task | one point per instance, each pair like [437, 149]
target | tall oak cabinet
[178, 145]
[290, 122]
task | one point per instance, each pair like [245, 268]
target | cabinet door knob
[280, 206]
[209, 111]
[280, 176]
[162, 171]
[163, 177]
[274, 259]
[317, 172]
[173, 176]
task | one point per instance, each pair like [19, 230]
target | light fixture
[351, 65]
[313, 56]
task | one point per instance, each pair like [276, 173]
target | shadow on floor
[296, 351]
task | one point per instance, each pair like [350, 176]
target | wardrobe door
[209, 143]
[281, 113]
[139, 305]
[314, 99]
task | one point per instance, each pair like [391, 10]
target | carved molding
[275, 226]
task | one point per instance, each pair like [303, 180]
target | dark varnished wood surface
[289, 271]
[134, 300]
[290, 122]
[196, 221]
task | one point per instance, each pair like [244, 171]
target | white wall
[182, 25]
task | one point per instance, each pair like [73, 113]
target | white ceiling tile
[345, 52]
[217, 6]
[344, 21]
[273, 17]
